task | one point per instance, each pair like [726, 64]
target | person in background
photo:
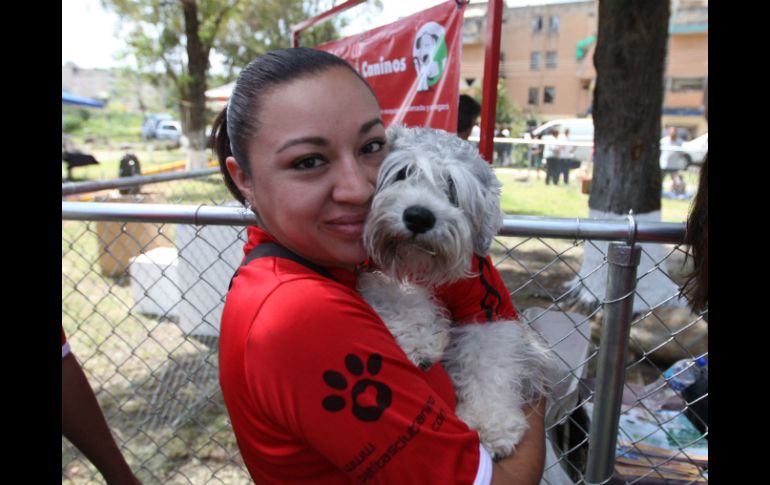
[83, 423]
[670, 160]
[567, 156]
[552, 153]
[536, 155]
[468, 113]
[499, 147]
[507, 147]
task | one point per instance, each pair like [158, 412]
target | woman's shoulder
[275, 277]
[282, 294]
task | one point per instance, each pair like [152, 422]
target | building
[126, 90]
[546, 59]
[89, 83]
[687, 66]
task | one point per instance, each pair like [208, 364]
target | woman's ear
[240, 178]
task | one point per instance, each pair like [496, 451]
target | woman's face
[314, 163]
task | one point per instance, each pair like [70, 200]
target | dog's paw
[500, 429]
[430, 346]
[502, 440]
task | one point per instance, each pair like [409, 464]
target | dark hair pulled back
[696, 288]
[239, 121]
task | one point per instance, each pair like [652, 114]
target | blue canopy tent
[69, 98]
[75, 158]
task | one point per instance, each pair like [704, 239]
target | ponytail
[221, 143]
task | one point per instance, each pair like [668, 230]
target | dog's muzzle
[418, 219]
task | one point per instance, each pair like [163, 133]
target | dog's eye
[452, 192]
[401, 175]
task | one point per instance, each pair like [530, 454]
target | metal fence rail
[513, 226]
[142, 292]
[72, 188]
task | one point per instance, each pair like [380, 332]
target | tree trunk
[627, 107]
[628, 100]
[195, 92]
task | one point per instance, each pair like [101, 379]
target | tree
[266, 25]
[627, 107]
[507, 112]
[173, 41]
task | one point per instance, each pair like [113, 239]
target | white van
[580, 129]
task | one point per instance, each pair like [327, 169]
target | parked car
[151, 123]
[691, 153]
[695, 150]
[582, 129]
[168, 130]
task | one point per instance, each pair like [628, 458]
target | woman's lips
[351, 225]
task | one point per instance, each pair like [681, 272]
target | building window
[534, 95]
[534, 61]
[688, 84]
[537, 24]
[549, 95]
[553, 24]
[550, 60]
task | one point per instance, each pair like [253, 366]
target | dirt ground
[536, 272]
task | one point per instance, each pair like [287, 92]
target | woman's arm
[82, 422]
[525, 465]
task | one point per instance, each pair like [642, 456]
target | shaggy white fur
[416, 321]
[436, 204]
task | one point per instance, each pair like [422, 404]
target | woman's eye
[373, 147]
[308, 163]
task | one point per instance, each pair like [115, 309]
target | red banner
[412, 65]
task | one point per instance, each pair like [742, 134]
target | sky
[89, 33]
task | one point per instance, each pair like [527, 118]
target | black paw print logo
[370, 398]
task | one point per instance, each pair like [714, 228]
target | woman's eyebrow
[312, 140]
[320, 141]
[369, 125]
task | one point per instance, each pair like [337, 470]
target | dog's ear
[491, 216]
[483, 194]
[478, 193]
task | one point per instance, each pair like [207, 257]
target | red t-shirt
[319, 392]
[483, 298]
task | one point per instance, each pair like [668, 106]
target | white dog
[436, 204]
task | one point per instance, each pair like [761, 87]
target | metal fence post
[611, 365]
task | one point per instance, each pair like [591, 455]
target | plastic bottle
[674, 380]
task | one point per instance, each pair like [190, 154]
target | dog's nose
[418, 219]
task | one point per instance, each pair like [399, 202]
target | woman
[316, 387]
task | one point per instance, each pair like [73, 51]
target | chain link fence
[143, 290]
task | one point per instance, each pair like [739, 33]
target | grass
[109, 160]
[525, 194]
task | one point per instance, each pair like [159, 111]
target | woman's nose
[354, 184]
